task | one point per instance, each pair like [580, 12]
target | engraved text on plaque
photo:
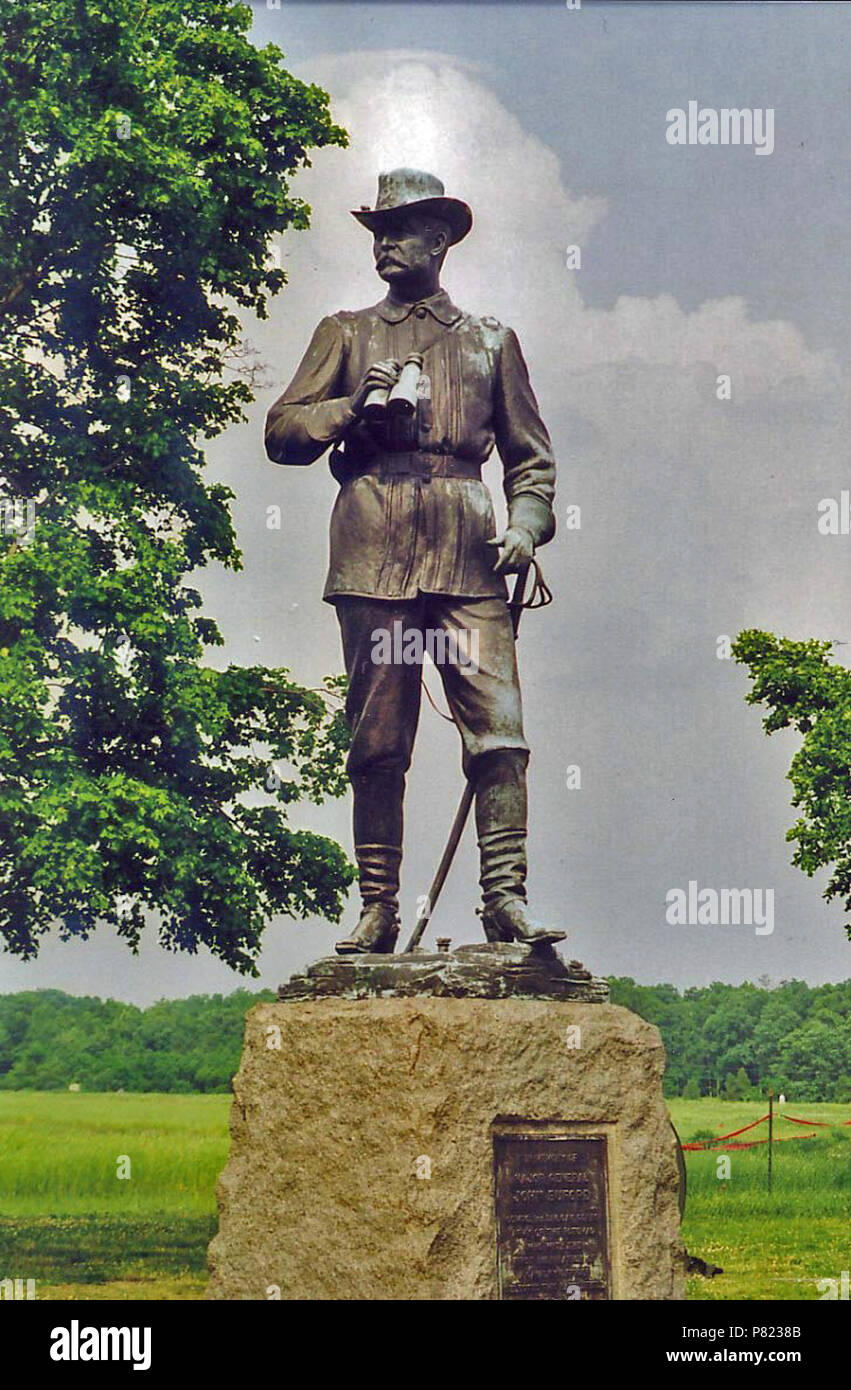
[551, 1216]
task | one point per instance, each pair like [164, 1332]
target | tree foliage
[50, 1040]
[805, 690]
[723, 1040]
[145, 153]
[738, 1040]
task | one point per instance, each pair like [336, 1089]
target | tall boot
[378, 800]
[378, 927]
[501, 809]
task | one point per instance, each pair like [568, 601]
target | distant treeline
[737, 1040]
[50, 1041]
[725, 1040]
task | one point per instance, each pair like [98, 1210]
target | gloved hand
[380, 376]
[516, 549]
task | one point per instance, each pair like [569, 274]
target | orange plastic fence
[752, 1143]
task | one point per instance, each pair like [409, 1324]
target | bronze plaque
[552, 1216]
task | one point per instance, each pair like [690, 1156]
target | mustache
[388, 260]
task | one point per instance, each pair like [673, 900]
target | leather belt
[418, 464]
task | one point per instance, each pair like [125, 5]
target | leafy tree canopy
[805, 690]
[146, 148]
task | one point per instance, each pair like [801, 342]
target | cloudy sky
[699, 516]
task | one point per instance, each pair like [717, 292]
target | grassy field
[69, 1221]
[776, 1244]
[60, 1151]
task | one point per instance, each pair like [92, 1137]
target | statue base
[474, 1141]
[488, 970]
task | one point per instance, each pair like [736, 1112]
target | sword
[516, 605]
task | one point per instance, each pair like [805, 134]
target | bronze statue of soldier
[413, 539]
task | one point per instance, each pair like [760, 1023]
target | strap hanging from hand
[541, 594]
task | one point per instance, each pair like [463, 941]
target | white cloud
[429, 111]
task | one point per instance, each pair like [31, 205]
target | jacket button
[421, 311]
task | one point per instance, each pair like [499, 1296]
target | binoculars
[399, 400]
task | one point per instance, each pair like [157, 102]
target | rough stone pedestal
[365, 1150]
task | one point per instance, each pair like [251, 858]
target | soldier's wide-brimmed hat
[415, 190]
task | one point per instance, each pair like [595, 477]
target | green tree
[145, 153]
[803, 689]
[49, 1039]
[815, 1057]
[842, 1089]
[776, 1021]
[737, 1085]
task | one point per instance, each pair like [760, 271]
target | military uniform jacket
[396, 533]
